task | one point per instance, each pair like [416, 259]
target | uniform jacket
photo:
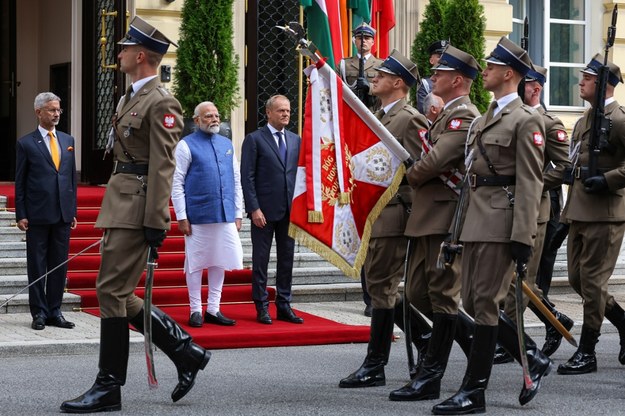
[405, 123]
[351, 65]
[433, 202]
[514, 142]
[43, 195]
[149, 124]
[608, 206]
[556, 152]
[267, 182]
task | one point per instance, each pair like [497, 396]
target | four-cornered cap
[509, 53]
[453, 59]
[438, 46]
[364, 29]
[538, 74]
[398, 64]
[142, 33]
[597, 62]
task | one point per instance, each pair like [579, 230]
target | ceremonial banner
[324, 28]
[350, 166]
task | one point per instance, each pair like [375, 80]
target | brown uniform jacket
[514, 142]
[149, 126]
[556, 152]
[433, 202]
[348, 71]
[608, 206]
[404, 122]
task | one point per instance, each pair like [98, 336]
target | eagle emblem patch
[561, 136]
[455, 124]
[538, 138]
[169, 120]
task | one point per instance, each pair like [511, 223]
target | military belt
[132, 168]
[494, 180]
[581, 172]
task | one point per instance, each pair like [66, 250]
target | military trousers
[592, 252]
[384, 270]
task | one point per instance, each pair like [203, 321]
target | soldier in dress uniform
[556, 163]
[433, 291]
[387, 247]
[425, 84]
[504, 163]
[135, 216]
[349, 68]
[595, 209]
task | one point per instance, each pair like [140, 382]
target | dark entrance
[8, 90]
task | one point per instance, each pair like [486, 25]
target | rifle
[525, 46]
[361, 89]
[600, 125]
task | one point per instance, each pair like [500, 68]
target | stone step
[11, 234]
[19, 304]
[12, 266]
[12, 249]
[12, 284]
[7, 218]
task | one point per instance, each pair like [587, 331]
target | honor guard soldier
[504, 162]
[556, 163]
[436, 291]
[435, 51]
[135, 216]
[595, 209]
[350, 68]
[387, 248]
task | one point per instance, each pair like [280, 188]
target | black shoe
[218, 319]
[288, 315]
[60, 322]
[39, 323]
[370, 374]
[263, 317]
[104, 396]
[368, 309]
[579, 363]
[502, 356]
[553, 338]
[195, 320]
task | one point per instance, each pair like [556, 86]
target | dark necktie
[128, 95]
[491, 111]
[281, 147]
[379, 114]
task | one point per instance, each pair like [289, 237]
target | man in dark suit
[45, 207]
[268, 168]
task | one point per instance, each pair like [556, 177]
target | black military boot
[188, 357]
[552, 337]
[427, 384]
[420, 332]
[502, 356]
[539, 364]
[105, 394]
[470, 397]
[371, 372]
[584, 360]
[616, 315]
[464, 332]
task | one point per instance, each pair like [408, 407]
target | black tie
[128, 95]
[491, 111]
[281, 147]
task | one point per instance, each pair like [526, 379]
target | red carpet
[170, 292]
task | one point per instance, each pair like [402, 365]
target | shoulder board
[622, 108]
[461, 107]
[410, 109]
[551, 116]
[530, 110]
[163, 91]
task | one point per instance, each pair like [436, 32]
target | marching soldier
[135, 216]
[595, 209]
[556, 155]
[349, 68]
[387, 247]
[504, 164]
[433, 291]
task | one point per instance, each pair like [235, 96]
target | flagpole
[300, 82]
[350, 23]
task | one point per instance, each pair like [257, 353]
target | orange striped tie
[54, 150]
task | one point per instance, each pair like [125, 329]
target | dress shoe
[60, 322]
[289, 316]
[218, 319]
[263, 317]
[368, 310]
[195, 320]
[552, 337]
[38, 323]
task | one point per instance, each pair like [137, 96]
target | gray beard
[210, 129]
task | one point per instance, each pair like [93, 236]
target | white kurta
[209, 245]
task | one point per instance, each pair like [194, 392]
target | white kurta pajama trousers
[215, 247]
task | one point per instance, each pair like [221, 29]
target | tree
[465, 23]
[206, 65]
[430, 29]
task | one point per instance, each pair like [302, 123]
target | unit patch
[455, 124]
[538, 138]
[562, 136]
[169, 120]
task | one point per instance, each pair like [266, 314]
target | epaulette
[622, 108]
[410, 109]
[163, 91]
[461, 107]
[530, 110]
[551, 116]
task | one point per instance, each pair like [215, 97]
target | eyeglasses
[53, 110]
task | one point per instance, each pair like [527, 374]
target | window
[519, 12]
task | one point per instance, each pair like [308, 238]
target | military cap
[364, 29]
[142, 33]
[453, 59]
[538, 74]
[597, 62]
[437, 46]
[509, 53]
[398, 64]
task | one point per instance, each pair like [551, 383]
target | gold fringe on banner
[345, 198]
[315, 217]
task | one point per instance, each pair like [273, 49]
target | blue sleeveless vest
[209, 184]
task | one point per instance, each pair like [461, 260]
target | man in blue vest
[208, 202]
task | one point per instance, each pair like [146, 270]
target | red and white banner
[350, 166]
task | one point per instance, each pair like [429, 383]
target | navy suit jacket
[43, 195]
[267, 182]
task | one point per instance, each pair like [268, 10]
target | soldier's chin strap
[6, 302]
